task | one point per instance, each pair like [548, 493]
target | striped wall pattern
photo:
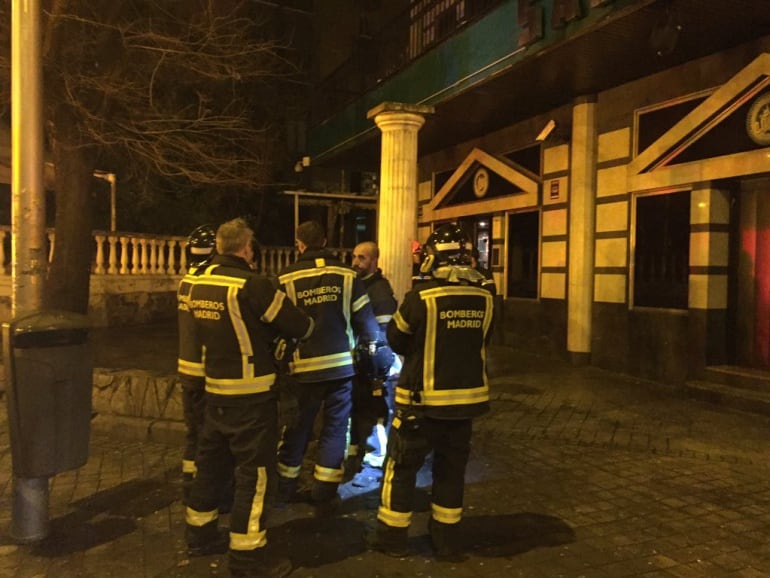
[553, 224]
[709, 247]
[613, 209]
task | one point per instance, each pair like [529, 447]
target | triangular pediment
[497, 184]
[669, 160]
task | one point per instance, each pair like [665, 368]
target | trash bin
[49, 378]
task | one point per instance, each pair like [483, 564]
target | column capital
[400, 107]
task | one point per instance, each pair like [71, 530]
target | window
[523, 254]
[661, 256]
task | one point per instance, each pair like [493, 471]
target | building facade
[612, 162]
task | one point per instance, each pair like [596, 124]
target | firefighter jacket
[333, 295]
[442, 329]
[190, 360]
[237, 315]
[381, 297]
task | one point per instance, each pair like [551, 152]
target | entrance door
[749, 341]
[480, 228]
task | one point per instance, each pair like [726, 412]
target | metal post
[29, 512]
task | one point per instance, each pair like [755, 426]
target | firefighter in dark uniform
[441, 328]
[372, 398]
[200, 250]
[322, 367]
[238, 314]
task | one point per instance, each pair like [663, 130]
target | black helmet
[201, 245]
[449, 245]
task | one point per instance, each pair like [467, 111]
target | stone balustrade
[123, 253]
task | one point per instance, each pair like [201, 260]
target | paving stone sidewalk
[575, 472]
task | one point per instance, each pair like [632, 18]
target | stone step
[738, 376]
[740, 398]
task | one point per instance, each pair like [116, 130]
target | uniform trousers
[368, 411]
[334, 396]
[245, 434]
[450, 440]
[193, 404]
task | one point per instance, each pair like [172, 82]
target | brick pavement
[575, 472]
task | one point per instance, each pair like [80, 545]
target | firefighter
[372, 398]
[238, 315]
[200, 249]
[322, 367]
[442, 328]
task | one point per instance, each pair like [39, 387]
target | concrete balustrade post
[124, 242]
[183, 256]
[145, 266]
[99, 268]
[171, 263]
[135, 256]
[112, 267]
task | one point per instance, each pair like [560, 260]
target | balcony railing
[424, 25]
[143, 254]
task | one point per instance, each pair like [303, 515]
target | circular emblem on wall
[480, 182]
[758, 120]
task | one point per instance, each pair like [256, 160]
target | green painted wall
[477, 52]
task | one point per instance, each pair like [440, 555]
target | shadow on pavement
[105, 516]
[314, 542]
[508, 535]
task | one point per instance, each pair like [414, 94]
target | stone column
[582, 219]
[397, 206]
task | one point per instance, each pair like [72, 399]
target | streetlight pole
[110, 178]
[29, 509]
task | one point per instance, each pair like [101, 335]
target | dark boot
[445, 539]
[258, 563]
[287, 490]
[324, 498]
[206, 540]
[388, 540]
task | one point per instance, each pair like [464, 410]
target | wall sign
[758, 120]
[481, 182]
[555, 189]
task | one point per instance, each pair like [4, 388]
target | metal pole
[112, 179]
[29, 512]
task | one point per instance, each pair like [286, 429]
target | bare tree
[182, 90]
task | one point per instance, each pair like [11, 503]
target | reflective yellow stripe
[191, 368]
[240, 386]
[255, 537]
[455, 396]
[383, 318]
[188, 467]
[360, 302]
[387, 477]
[220, 280]
[323, 474]
[291, 472]
[198, 519]
[429, 347]
[404, 397]
[322, 362]
[275, 306]
[347, 295]
[446, 515]
[313, 272]
[401, 324]
[394, 519]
